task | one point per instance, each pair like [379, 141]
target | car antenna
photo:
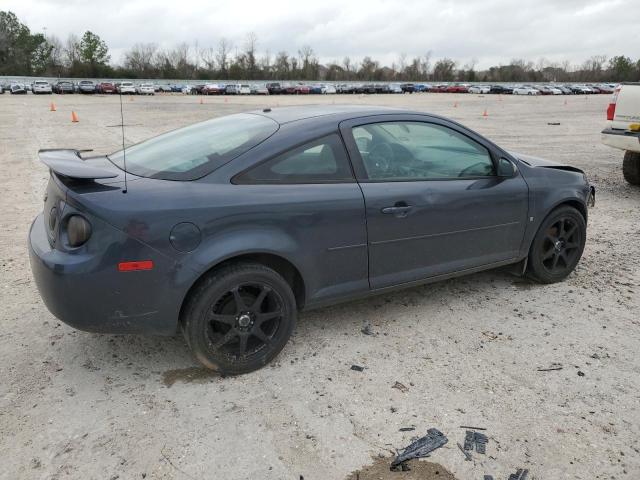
[124, 151]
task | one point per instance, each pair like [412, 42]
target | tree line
[23, 53]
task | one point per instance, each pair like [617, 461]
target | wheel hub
[558, 245]
[245, 320]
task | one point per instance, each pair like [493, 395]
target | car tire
[557, 246]
[631, 167]
[239, 318]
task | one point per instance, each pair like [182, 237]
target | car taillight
[78, 230]
[611, 109]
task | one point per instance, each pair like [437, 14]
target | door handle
[397, 210]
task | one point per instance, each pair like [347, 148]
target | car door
[434, 201]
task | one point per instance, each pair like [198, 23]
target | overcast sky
[490, 31]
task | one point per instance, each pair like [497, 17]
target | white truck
[623, 128]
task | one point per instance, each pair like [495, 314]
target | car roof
[283, 115]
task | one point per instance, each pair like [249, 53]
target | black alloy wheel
[244, 320]
[239, 318]
[561, 245]
[558, 245]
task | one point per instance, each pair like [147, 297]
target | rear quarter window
[320, 161]
[195, 151]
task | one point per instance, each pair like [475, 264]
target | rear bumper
[622, 139]
[86, 291]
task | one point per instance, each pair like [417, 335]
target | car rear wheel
[558, 245]
[631, 167]
[239, 318]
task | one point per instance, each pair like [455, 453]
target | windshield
[192, 152]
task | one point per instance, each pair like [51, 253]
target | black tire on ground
[239, 318]
[631, 167]
[557, 246]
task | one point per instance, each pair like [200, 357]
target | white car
[126, 88]
[146, 89]
[606, 87]
[328, 89]
[244, 89]
[549, 90]
[525, 90]
[259, 89]
[479, 89]
[395, 88]
[622, 130]
[41, 86]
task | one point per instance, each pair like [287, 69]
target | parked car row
[83, 86]
[276, 88]
[548, 89]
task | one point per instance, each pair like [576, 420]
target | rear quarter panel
[320, 229]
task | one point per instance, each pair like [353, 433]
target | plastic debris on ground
[477, 441]
[519, 475]
[420, 448]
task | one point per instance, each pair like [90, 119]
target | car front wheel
[239, 318]
[558, 245]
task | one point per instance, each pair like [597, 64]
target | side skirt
[518, 263]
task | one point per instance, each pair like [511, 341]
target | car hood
[542, 163]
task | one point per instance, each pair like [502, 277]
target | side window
[321, 161]
[419, 151]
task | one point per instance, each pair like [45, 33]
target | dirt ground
[75, 405]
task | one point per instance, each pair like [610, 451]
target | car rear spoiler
[69, 163]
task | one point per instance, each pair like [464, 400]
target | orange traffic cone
[485, 114]
[455, 104]
[565, 102]
[225, 100]
[52, 107]
[201, 102]
[131, 99]
[74, 117]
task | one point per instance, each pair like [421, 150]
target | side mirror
[506, 168]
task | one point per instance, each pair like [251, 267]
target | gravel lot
[85, 406]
